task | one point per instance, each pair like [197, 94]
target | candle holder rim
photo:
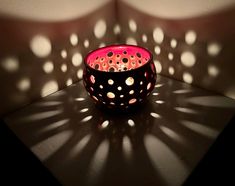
[118, 45]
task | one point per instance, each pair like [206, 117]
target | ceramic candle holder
[119, 76]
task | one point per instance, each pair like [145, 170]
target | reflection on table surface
[158, 144]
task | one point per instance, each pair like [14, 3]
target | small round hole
[129, 81]
[138, 55]
[132, 101]
[125, 60]
[110, 54]
[110, 95]
[92, 79]
[110, 82]
[131, 92]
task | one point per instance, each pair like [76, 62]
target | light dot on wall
[49, 88]
[100, 29]
[131, 41]
[63, 53]
[40, 45]
[158, 66]
[116, 29]
[77, 59]
[73, 39]
[187, 77]
[80, 73]
[102, 45]
[144, 38]
[170, 56]
[69, 82]
[190, 37]
[157, 50]
[48, 67]
[86, 43]
[158, 35]
[213, 70]
[171, 70]
[173, 43]
[24, 84]
[63, 67]
[214, 48]
[10, 64]
[132, 25]
[188, 59]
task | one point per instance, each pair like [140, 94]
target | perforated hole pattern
[119, 76]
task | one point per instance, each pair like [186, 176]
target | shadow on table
[157, 144]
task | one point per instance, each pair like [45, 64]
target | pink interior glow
[118, 58]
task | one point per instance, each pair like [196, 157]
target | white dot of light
[63, 53]
[98, 161]
[186, 110]
[172, 134]
[158, 35]
[165, 160]
[200, 128]
[188, 59]
[110, 95]
[159, 102]
[80, 73]
[110, 82]
[63, 67]
[214, 48]
[49, 88]
[213, 70]
[100, 29]
[157, 50]
[132, 25]
[131, 92]
[173, 43]
[86, 43]
[187, 77]
[127, 147]
[10, 64]
[116, 29]
[58, 140]
[79, 99]
[84, 110]
[40, 45]
[102, 45]
[69, 82]
[48, 67]
[24, 84]
[158, 66]
[170, 56]
[144, 38]
[119, 88]
[190, 37]
[130, 81]
[171, 70]
[73, 39]
[86, 119]
[77, 148]
[158, 85]
[131, 123]
[77, 59]
[105, 124]
[155, 94]
[155, 115]
[131, 41]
